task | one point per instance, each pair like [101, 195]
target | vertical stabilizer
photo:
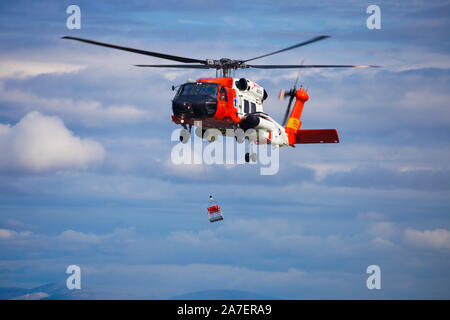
[294, 123]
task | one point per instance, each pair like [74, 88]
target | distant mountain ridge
[9, 293]
[51, 291]
[59, 291]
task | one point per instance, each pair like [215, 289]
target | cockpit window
[204, 89]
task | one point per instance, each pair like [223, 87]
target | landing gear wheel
[239, 135]
[247, 157]
[253, 157]
[184, 136]
[200, 132]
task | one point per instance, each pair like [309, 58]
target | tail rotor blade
[298, 76]
[291, 97]
[288, 110]
[296, 80]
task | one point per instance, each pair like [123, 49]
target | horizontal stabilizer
[316, 136]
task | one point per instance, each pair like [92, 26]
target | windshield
[205, 89]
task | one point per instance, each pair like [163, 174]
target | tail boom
[304, 136]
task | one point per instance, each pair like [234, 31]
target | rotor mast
[225, 72]
[225, 65]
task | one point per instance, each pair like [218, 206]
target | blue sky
[105, 195]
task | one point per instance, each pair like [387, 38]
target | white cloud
[7, 234]
[383, 229]
[117, 236]
[192, 238]
[164, 281]
[39, 143]
[372, 215]
[323, 169]
[274, 235]
[434, 239]
[382, 243]
[22, 69]
[88, 112]
[76, 236]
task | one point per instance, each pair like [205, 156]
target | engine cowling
[252, 88]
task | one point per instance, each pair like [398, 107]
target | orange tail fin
[294, 123]
[295, 135]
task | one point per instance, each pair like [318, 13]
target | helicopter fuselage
[226, 103]
[223, 99]
[230, 103]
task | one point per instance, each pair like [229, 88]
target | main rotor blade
[291, 47]
[184, 66]
[295, 66]
[145, 52]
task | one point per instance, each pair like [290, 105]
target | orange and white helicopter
[230, 103]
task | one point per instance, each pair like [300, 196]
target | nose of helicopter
[193, 107]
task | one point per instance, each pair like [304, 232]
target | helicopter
[226, 102]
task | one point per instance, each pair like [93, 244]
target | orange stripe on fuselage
[225, 109]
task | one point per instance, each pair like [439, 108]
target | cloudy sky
[86, 176]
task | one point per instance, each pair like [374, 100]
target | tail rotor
[291, 94]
